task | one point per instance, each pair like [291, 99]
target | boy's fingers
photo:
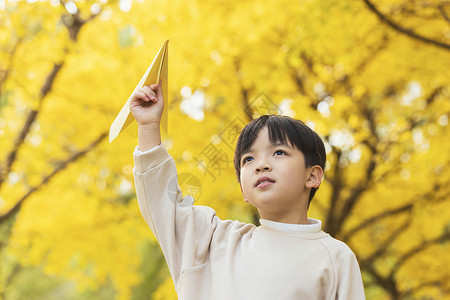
[149, 89]
[154, 87]
[155, 90]
[143, 96]
[151, 94]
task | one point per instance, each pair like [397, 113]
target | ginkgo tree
[370, 77]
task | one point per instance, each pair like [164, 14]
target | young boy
[279, 163]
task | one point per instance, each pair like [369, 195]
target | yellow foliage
[377, 96]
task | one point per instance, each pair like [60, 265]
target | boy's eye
[280, 152]
[246, 159]
[249, 158]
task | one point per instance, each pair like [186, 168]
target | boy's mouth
[264, 181]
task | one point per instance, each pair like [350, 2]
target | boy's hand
[147, 105]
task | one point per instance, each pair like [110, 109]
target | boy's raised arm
[183, 230]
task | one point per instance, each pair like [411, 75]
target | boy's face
[275, 180]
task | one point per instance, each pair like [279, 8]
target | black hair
[285, 130]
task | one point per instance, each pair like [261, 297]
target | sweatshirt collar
[313, 226]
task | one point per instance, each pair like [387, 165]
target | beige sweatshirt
[210, 258]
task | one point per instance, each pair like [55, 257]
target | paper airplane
[156, 71]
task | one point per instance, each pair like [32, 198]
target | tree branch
[31, 118]
[368, 222]
[299, 80]
[63, 165]
[336, 186]
[356, 192]
[345, 81]
[437, 283]
[445, 236]
[387, 284]
[5, 73]
[443, 13]
[383, 248]
[405, 31]
[396, 211]
[73, 24]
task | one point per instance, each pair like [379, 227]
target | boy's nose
[265, 169]
[263, 166]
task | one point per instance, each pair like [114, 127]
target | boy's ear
[242, 191]
[315, 177]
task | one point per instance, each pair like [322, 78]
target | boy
[279, 163]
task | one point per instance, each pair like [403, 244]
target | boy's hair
[285, 130]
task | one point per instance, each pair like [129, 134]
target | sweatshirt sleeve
[349, 280]
[184, 231]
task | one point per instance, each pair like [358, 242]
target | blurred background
[371, 77]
